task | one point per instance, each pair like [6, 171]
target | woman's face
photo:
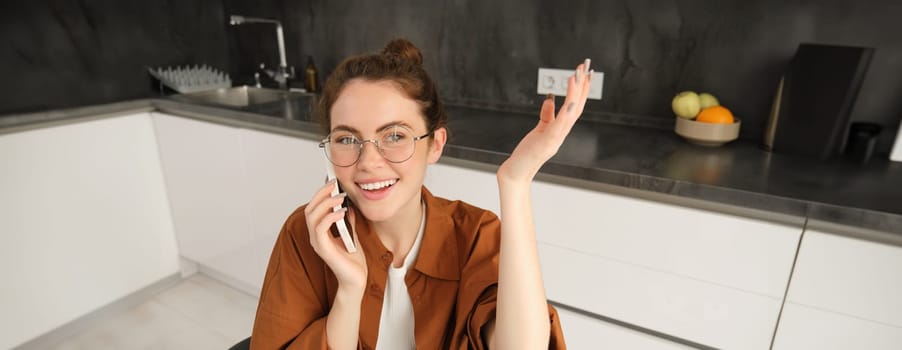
[381, 189]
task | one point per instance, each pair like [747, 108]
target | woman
[428, 273]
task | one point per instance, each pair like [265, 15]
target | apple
[707, 100]
[686, 104]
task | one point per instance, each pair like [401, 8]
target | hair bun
[405, 50]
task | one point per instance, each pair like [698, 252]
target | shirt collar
[438, 255]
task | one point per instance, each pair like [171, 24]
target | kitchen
[684, 219]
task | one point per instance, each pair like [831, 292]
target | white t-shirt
[396, 322]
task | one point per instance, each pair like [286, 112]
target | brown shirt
[452, 286]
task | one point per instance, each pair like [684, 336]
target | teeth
[378, 185]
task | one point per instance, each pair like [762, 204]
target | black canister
[862, 140]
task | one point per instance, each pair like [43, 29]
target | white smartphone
[340, 228]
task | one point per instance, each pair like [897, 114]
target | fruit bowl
[707, 134]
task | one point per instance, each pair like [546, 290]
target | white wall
[84, 220]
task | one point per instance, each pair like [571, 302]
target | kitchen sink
[241, 96]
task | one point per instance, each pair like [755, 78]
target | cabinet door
[678, 306]
[742, 253]
[844, 294]
[282, 173]
[806, 327]
[84, 221]
[475, 187]
[202, 163]
[584, 332]
[706, 277]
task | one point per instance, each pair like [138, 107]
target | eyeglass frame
[362, 143]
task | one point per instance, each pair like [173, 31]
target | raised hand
[521, 320]
[546, 138]
[349, 268]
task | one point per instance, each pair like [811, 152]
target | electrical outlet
[554, 81]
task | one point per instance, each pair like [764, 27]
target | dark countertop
[649, 159]
[738, 173]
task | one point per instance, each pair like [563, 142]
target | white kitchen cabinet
[203, 165]
[849, 276]
[746, 254]
[706, 277]
[476, 187]
[694, 310]
[805, 327]
[843, 287]
[84, 222]
[584, 332]
[281, 173]
[231, 191]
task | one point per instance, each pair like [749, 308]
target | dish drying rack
[189, 79]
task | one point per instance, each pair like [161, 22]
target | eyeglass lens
[396, 144]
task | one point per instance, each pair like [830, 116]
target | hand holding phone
[340, 228]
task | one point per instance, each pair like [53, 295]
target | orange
[715, 114]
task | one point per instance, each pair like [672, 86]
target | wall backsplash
[72, 53]
[481, 53]
[487, 52]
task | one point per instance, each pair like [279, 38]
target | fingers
[319, 213]
[577, 92]
[321, 228]
[546, 115]
[575, 88]
[323, 202]
[574, 93]
[323, 193]
[588, 70]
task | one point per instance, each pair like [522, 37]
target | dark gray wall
[70, 53]
[252, 44]
[487, 52]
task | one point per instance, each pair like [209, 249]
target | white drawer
[849, 276]
[803, 327]
[695, 310]
[732, 251]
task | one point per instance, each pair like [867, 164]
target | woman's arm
[290, 311]
[343, 323]
[522, 310]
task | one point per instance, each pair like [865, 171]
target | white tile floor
[198, 313]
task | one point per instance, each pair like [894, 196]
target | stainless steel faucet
[284, 73]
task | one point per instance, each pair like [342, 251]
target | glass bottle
[310, 79]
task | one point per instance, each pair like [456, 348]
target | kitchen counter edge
[849, 221]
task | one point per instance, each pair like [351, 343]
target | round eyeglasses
[396, 144]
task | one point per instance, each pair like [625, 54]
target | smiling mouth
[375, 186]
